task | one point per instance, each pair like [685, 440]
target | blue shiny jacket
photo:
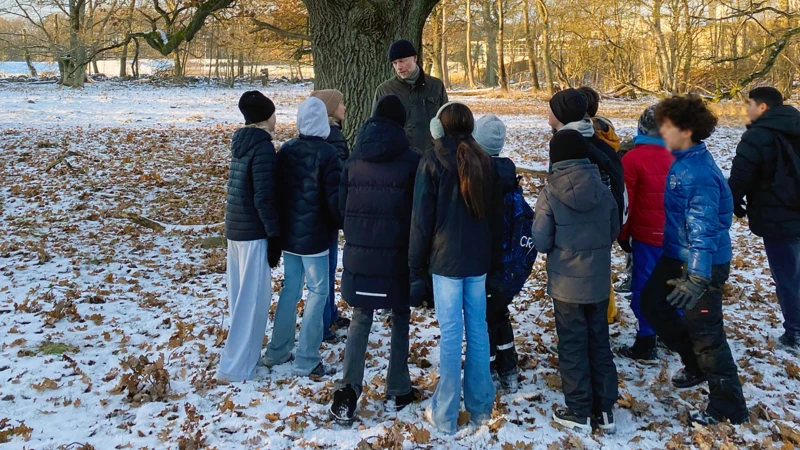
[699, 209]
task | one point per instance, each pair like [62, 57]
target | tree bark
[27, 55]
[490, 29]
[530, 43]
[546, 59]
[350, 44]
[469, 69]
[438, 38]
[73, 63]
[445, 69]
[501, 53]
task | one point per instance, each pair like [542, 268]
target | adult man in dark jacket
[251, 226]
[375, 200]
[773, 136]
[309, 172]
[422, 95]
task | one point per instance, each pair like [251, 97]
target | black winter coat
[375, 199]
[445, 239]
[309, 173]
[338, 141]
[753, 173]
[250, 207]
[611, 171]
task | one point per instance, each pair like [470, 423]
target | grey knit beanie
[490, 134]
[647, 125]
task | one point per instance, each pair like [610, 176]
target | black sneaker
[322, 370]
[790, 341]
[509, 382]
[395, 403]
[568, 419]
[605, 422]
[343, 407]
[702, 418]
[625, 287]
[342, 323]
[683, 379]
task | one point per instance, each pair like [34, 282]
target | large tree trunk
[501, 53]
[350, 44]
[470, 70]
[490, 29]
[73, 64]
[548, 65]
[530, 44]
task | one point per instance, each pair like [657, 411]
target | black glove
[274, 252]
[688, 291]
[739, 210]
[625, 246]
[421, 290]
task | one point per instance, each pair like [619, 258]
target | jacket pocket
[432, 105]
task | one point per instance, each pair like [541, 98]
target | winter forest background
[115, 124]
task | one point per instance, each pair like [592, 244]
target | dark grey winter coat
[422, 101]
[576, 223]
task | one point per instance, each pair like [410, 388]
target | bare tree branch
[261, 26]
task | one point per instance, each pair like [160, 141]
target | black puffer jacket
[445, 239]
[250, 209]
[337, 139]
[753, 173]
[309, 173]
[375, 199]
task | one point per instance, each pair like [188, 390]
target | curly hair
[688, 113]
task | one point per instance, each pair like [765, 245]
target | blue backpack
[518, 251]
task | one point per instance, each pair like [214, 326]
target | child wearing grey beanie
[490, 134]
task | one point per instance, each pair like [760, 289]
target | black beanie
[255, 107]
[568, 144]
[569, 106]
[401, 49]
[391, 107]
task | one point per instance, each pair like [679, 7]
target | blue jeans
[645, 257]
[784, 263]
[315, 271]
[331, 314]
[461, 303]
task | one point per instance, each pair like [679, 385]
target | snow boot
[643, 350]
[605, 422]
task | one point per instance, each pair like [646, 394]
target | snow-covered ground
[111, 332]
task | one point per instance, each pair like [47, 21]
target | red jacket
[646, 168]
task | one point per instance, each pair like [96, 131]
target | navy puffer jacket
[250, 208]
[375, 198]
[699, 209]
[309, 172]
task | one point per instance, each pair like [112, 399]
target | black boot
[684, 379]
[643, 350]
[395, 403]
[343, 407]
[605, 422]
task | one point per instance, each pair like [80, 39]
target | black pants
[698, 336]
[588, 373]
[502, 353]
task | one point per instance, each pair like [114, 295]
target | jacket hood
[506, 173]
[584, 127]
[576, 183]
[312, 118]
[784, 118]
[380, 140]
[245, 138]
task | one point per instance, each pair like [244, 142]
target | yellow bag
[611, 315]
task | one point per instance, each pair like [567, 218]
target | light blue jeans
[315, 271]
[461, 303]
